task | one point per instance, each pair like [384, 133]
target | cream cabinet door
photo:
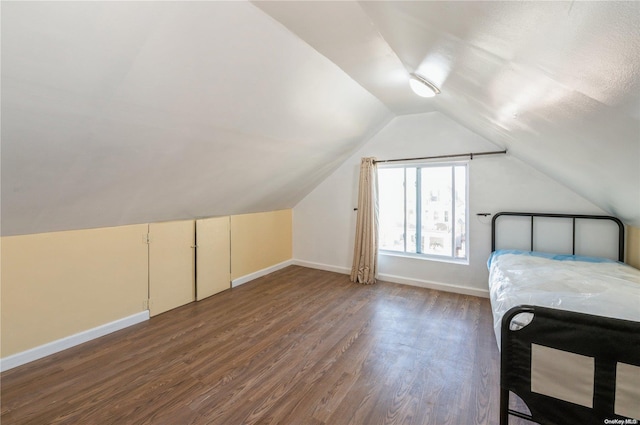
[213, 256]
[171, 265]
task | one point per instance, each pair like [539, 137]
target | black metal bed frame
[574, 217]
[607, 340]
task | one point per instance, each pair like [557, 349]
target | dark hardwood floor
[299, 346]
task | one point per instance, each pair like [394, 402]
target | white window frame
[426, 256]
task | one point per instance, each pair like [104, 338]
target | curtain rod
[470, 155]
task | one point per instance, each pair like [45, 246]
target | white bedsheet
[608, 289]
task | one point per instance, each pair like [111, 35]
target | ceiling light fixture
[422, 87]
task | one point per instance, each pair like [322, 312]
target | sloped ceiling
[556, 83]
[128, 112]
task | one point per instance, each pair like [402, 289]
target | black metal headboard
[574, 217]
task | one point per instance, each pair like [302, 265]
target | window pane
[411, 210]
[423, 210]
[391, 208]
[436, 207]
[461, 210]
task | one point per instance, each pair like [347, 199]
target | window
[423, 210]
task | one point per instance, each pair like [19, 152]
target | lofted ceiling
[129, 112]
[556, 83]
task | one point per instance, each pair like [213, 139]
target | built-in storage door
[213, 256]
[171, 265]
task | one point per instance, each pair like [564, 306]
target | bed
[567, 322]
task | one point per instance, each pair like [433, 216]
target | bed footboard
[570, 368]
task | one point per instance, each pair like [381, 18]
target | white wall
[324, 221]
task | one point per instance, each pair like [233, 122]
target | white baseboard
[320, 266]
[249, 277]
[53, 347]
[446, 287]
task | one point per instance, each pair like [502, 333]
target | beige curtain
[365, 253]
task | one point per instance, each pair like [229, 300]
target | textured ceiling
[557, 83]
[127, 112]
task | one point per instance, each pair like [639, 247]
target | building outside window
[423, 210]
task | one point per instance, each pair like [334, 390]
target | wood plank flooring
[299, 346]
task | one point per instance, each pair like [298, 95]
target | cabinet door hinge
[147, 239]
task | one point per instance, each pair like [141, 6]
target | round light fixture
[422, 87]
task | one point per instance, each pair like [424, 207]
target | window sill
[425, 257]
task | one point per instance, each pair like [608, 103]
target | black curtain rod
[470, 155]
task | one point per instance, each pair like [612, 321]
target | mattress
[589, 285]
